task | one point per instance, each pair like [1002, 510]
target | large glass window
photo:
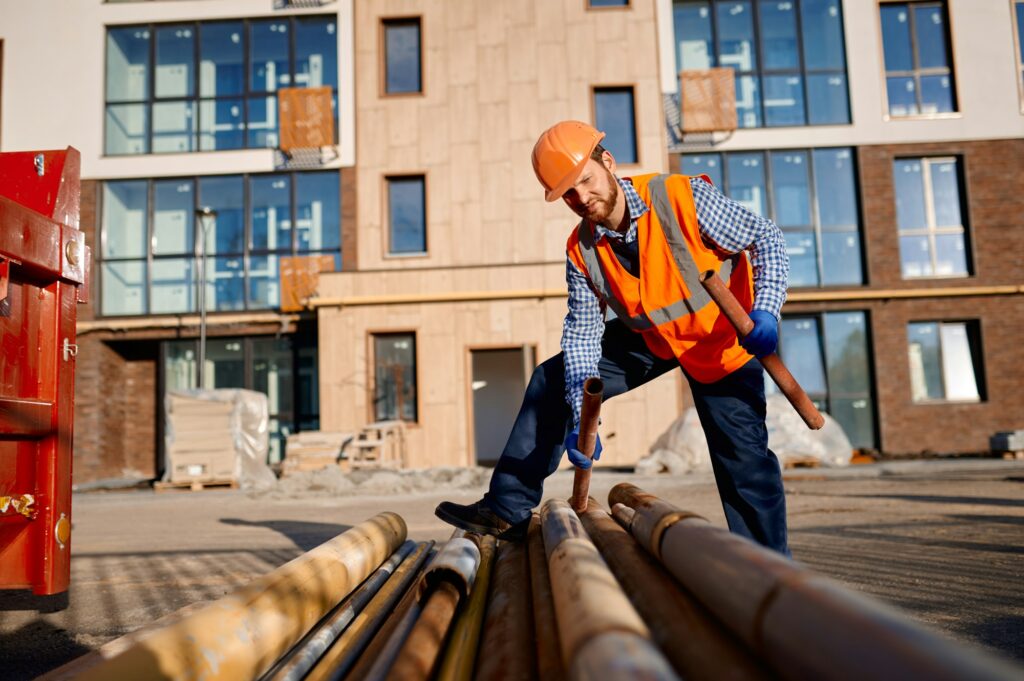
[407, 215]
[614, 114]
[945, 361]
[213, 83]
[788, 55]
[152, 239]
[918, 67]
[810, 194]
[828, 354]
[403, 62]
[929, 204]
[394, 377]
[265, 364]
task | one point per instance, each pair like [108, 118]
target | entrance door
[499, 380]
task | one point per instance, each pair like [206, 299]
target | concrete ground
[942, 540]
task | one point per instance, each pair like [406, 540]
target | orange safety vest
[667, 303]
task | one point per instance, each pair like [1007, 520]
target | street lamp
[205, 215]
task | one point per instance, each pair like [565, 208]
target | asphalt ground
[942, 540]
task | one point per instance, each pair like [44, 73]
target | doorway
[498, 380]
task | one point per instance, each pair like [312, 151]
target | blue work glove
[763, 338]
[576, 457]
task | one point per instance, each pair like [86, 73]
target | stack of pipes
[646, 592]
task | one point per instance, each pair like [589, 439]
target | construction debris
[649, 592]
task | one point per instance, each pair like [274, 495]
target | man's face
[594, 194]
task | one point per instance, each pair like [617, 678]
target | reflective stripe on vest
[698, 297]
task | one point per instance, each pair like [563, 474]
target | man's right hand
[576, 457]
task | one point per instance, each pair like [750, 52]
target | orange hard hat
[560, 154]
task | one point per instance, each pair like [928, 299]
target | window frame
[371, 367]
[975, 345]
[1018, 46]
[383, 56]
[816, 227]
[196, 99]
[915, 73]
[611, 88]
[760, 72]
[931, 230]
[386, 216]
[246, 254]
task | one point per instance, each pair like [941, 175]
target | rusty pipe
[772, 363]
[590, 607]
[776, 607]
[446, 583]
[304, 656]
[507, 641]
[548, 648]
[340, 658]
[696, 644]
[244, 633]
[644, 515]
[623, 515]
[461, 652]
[590, 416]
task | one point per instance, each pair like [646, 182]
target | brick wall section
[994, 179]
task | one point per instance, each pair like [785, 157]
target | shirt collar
[636, 207]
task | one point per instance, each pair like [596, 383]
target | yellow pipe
[242, 634]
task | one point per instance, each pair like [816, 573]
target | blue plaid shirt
[723, 223]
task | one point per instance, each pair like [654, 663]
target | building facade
[886, 139]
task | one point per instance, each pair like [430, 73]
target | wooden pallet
[194, 485]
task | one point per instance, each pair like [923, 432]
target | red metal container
[44, 265]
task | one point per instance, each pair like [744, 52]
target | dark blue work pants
[731, 411]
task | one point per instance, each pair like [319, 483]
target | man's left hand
[764, 337]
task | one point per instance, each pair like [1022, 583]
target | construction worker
[639, 250]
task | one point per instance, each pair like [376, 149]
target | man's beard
[600, 207]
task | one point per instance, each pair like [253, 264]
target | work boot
[476, 517]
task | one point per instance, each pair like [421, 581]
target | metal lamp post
[205, 215]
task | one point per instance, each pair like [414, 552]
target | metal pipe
[205, 214]
[590, 605]
[804, 625]
[305, 655]
[448, 581]
[648, 516]
[376, 660]
[340, 657]
[623, 515]
[739, 318]
[696, 644]
[548, 647]
[244, 633]
[419, 653]
[590, 417]
[461, 653]
[507, 642]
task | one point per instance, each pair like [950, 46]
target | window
[929, 217]
[788, 55]
[828, 355]
[1018, 9]
[918, 76]
[151, 239]
[282, 368]
[407, 215]
[945, 361]
[607, 3]
[212, 85]
[394, 377]
[614, 114]
[810, 194]
[403, 62]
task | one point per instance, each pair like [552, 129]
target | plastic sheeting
[195, 432]
[684, 449]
